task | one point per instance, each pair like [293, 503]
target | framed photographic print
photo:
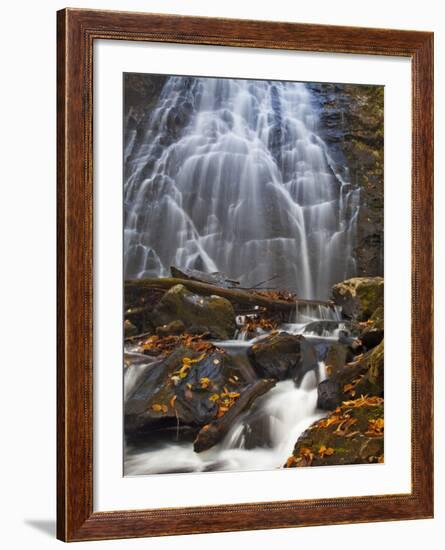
[243, 208]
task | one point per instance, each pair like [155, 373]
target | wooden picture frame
[77, 31]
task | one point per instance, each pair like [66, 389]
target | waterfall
[230, 175]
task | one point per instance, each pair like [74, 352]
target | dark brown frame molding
[77, 30]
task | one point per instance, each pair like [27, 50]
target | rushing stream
[264, 436]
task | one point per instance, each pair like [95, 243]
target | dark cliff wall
[141, 93]
[351, 123]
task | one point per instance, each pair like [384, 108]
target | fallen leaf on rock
[204, 383]
[363, 400]
[375, 427]
[323, 451]
[290, 462]
[349, 388]
[344, 426]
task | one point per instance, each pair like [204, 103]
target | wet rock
[130, 329]
[359, 297]
[371, 337]
[363, 376]
[352, 434]
[337, 356]
[377, 318]
[372, 381]
[199, 314]
[212, 433]
[329, 394]
[282, 356]
[172, 329]
[373, 334]
[178, 395]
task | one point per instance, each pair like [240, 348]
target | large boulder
[129, 329]
[372, 381]
[364, 376]
[199, 314]
[213, 432]
[373, 333]
[359, 297]
[282, 356]
[183, 392]
[352, 434]
[337, 356]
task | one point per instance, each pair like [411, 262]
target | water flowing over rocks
[253, 255]
[185, 391]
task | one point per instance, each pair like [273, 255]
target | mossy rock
[130, 329]
[337, 356]
[372, 382]
[352, 434]
[212, 315]
[377, 318]
[172, 329]
[364, 376]
[359, 297]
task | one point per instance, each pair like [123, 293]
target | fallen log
[211, 434]
[217, 279]
[235, 295]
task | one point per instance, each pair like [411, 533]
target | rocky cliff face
[351, 122]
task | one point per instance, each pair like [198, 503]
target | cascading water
[261, 438]
[230, 175]
[277, 420]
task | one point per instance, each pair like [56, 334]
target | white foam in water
[290, 411]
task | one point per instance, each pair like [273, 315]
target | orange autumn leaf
[325, 451]
[349, 388]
